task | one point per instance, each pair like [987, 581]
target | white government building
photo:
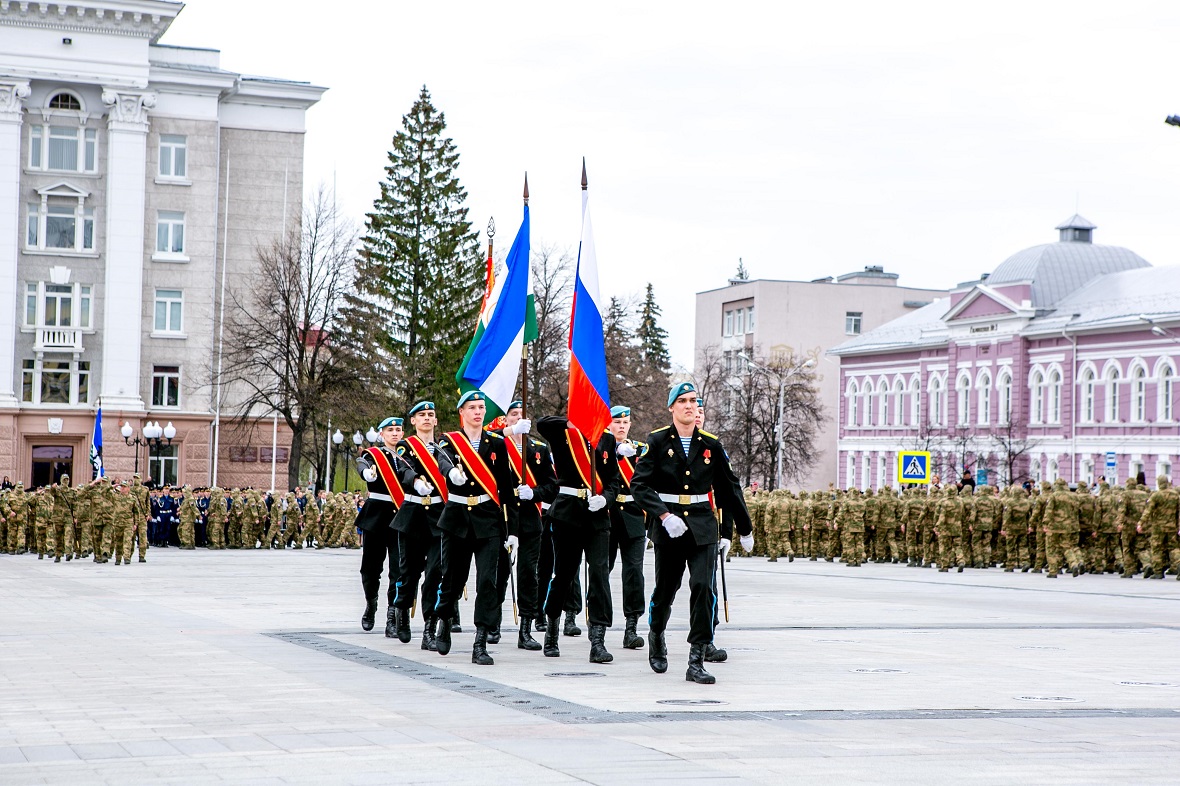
[136, 179]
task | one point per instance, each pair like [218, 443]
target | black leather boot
[657, 652]
[552, 631]
[455, 626]
[494, 635]
[714, 654]
[696, 667]
[370, 614]
[428, 635]
[391, 622]
[443, 639]
[571, 626]
[403, 626]
[524, 638]
[598, 652]
[539, 623]
[631, 639]
[479, 650]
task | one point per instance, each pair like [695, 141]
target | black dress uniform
[419, 544]
[473, 525]
[628, 538]
[380, 542]
[669, 480]
[577, 531]
[538, 459]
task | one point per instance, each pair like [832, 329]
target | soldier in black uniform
[628, 526]
[537, 485]
[474, 523]
[419, 540]
[375, 519]
[581, 526]
[672, 483]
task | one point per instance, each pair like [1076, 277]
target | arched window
[866, 471]
[962, 399]
[1112, 394]
[851, 402]
[867, 395]
[1034, 469]
[884, 418]
[849, 471]
[1139, 394]
[984, 393]
[936, 393]
[1037, 387]
[1164, 392]
[1054, 396]
[898, 402]
[1052, 470]
[915, 402]
[65, 101]
[1005, 388]
[1087, 385]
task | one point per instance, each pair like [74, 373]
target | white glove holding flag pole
[675, 526]
[511, 543]
[522, 426]
[422, 487]
[596, 503]
[747, 542]
[723, 546]
[457, 476]
[370, 474]
[524, 492]
[625, 449]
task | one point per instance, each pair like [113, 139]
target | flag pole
[594, 452]
[524, 348]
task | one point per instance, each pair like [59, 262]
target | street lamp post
[337, 440]
[779, 427]
[157, 439]
[137, 442]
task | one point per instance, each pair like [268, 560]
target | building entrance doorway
[50, 462]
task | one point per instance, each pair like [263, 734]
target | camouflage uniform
[348, 514]
[123, 511]
[189, 513]
[16, 512]
[1014, 529]
[888, 525]
[311, 523]
[1127, 515]
[60, 534]
[949, 530]
[1087, 521]
[143, 511]
[850, 526]
[294, 517]
[40, 512]
[1160, 522]
[989, 513]
[218, 513]
[1059, 522]
[1036, 546]
[1104, 551]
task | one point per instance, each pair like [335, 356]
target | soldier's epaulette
[707, 434]
[661, 428]
[494, 434]
[537, 443]
[442, 443]
[401, 450]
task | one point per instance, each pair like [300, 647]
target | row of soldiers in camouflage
[1121, 529]
[106, 518]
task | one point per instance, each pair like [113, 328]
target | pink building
[1061, 363]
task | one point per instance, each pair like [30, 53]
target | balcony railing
[58, 339]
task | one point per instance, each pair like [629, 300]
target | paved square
[250, 667]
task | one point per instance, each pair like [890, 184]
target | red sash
[521, 467]
[385, 469]
[475, 464]
[580, 450]
[430, 464]
[627, 469]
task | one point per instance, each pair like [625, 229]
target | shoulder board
[661, 428]
[442, 443]
[401, 450]
[707, 434]
[494, 434]
[537, 443]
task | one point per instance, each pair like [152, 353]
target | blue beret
[620, 411]
[679, 390]
[471, 395]
[390, 422]
[518, 404]
[420, 407]
[700, 400]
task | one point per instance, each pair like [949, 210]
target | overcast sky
[809, 138]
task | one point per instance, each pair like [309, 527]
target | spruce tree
[420, 271]
[741, 274]
[653, 339]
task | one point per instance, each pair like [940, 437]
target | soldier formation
[1047, 528]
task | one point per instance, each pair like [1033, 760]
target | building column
[126, 174]
[12, 96]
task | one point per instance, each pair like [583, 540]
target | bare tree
[280, 356]
[1014, 449]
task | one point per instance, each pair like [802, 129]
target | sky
[808, 139]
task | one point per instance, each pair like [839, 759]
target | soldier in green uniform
[949, 530]
[60, 533]
[850, 525]
[122, 509]
[1014, 529]
[41, 510]
[1087, 522]
[293, 517]
[189, 513]
[311, 523]
[1127, 515]
[16, 511]
[1161, 522]
[1036, 546]
[988, 514]
[218, 516]
[1104, 550]
[1059, 522]
[889, 526]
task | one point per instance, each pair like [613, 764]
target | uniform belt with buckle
[570, 491]
[382, 497]
[684, 499]
[468, 501]
[624, 498]
[423, 500]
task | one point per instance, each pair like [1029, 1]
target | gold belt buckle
[582, 493]
[473, 501]
[685, 499]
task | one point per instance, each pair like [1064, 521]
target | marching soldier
[378, 466]
[672, 482]
[628, 526]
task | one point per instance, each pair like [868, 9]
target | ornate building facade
[136, 178]
[1061, 363]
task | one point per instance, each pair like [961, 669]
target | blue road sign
[913, 466]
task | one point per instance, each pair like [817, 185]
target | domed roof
[1057, 269]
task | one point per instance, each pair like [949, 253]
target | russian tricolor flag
[589, 391]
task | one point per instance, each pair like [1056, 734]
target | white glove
[747, 542]
[370, 474]
[512, 543]
[523, 426]
[597, 503]
[625, 449]
[422, 487]
[457, 476]
[524, 492]
[723, 546]
[675, 526]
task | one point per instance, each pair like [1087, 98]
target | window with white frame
[50, 380]
[984, 394]
[866, 471]
[750, 319]
[963, 399]
[883, 416]
[164, 465]
[1163, 467]
[728, 330]
[1112, 394]
[170, 233]
[852, 320]
[1165, 391]
[173, 156]
[849, 471]
[739, 321]
[915, 402]
[60, 224]
[1139, 394]
[1005, 403]
[165, 386]
[936, 393]
[898, 403]
[63, 148]
[57, 305]
[1088, 470]
[1054, 396]
[851, 403]
[882, 468]
[1034, 470]
[1037, 388]
[1087, 394]
[169, 311]
[1053, 471]
[867, 395]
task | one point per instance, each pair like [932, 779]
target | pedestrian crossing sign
[913, 466]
